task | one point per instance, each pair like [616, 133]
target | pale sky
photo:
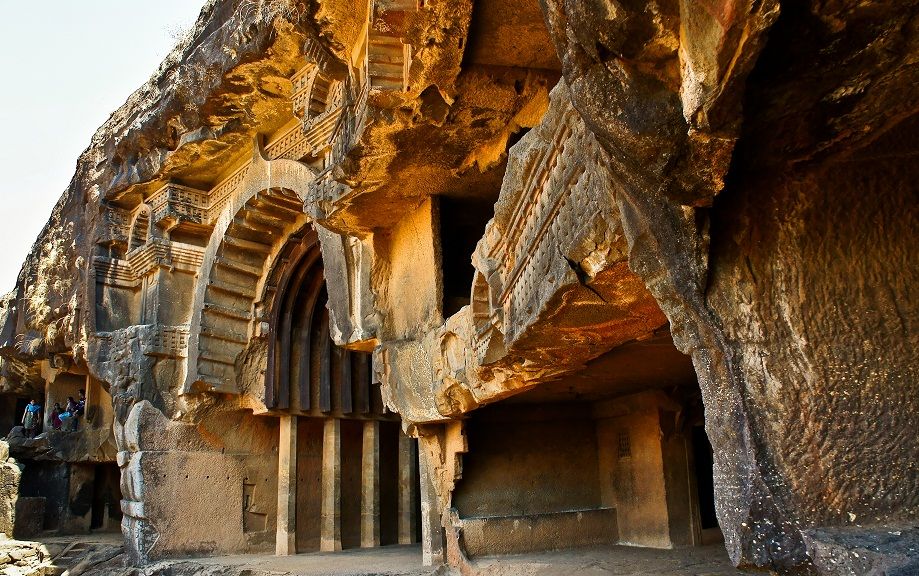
[65, 65]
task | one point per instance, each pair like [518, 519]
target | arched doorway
[348, 475]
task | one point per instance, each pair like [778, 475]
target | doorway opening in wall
[357, 482]
[703, 465]
[609, 455]
[106, 500]
[462, 224]
[43, 492]
[21, 404]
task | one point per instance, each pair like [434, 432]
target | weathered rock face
[161, 461]
[25, 558]
[9, 490]
[770, 290]
[821, 339]
[504, 227]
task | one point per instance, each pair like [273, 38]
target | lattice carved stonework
[160, 252]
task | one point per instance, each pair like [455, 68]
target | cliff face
[734, 178]
[226, 82]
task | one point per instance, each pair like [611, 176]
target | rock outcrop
[10, 475]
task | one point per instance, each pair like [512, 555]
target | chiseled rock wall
[552, 287]
[204, 488]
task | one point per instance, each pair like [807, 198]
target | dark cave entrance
[703, 464]
[462, 224]
[106, 499]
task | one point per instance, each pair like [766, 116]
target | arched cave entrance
[353, 475]
[613, 454]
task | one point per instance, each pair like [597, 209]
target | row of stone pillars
[330, 515]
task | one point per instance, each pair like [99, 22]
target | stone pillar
[370, 485]
[92, 396]
[330, 529]
[286, 539]
[408, 490]
[432, 533]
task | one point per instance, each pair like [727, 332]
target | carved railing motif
[116, 224]
[169, 342]
[302, 83]
[114, 272]
[174, 204]
[160, 252]
[155, 340]
[126, 272]
[221, 193]
[550, 176]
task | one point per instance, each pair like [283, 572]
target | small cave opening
[704, 465]
[106, 498]
[462, 224]
[618, 446]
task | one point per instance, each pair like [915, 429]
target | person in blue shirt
[31, 418]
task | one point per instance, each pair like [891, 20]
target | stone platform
[614, 561]
[406, 561]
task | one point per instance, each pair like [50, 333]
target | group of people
[65, 419]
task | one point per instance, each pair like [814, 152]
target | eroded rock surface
[523, 211]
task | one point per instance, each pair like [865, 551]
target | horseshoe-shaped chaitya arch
[251, 230]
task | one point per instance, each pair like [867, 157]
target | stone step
[392, 84]
[237, 266]
[386, 70]
[247, 245]
[282, 200]
[224, 335]
[218, 383]
[378, 39]
[285, 211]
[217, 358]
[227, 312]
[262, 227]
[265, 219]
[247, 292]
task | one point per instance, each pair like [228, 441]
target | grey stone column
[408, 490]
[286, 539]
[330, 528]
[432, 533]
[370, 485]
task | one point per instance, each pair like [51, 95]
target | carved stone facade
[497, 277]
